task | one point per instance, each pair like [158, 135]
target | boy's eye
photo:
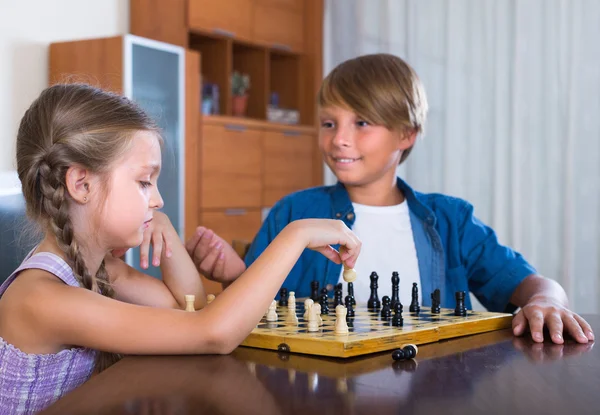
[362, 123]
[327, 124]
[145, 184]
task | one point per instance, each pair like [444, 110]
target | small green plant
[240, 83]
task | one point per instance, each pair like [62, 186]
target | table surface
[491, 373]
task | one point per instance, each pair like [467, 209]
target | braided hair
[73, 124]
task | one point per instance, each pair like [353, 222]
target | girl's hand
[321, 234]
[543, 310]
[214, 258]
[160, 233]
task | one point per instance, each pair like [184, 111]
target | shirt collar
[342, 206]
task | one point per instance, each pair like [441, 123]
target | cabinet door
[231, 167]
[230, 17]
[279, 26]
[233, 224]
[288, 164]
[154, 78]
[297, 5]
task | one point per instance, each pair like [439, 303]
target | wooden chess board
[369, 333]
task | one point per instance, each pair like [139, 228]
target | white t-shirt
[387, 246]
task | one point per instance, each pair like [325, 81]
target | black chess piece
[324, 291]
[407, 352]
[397, 320]
[435, 301]
[414, 303]
[460, 309]
[314, 285]
[386, 311]
[395, 289]
[324, 304]
[338, 298]
[374, 302]
[351, 292]
[349, 306]
[283, 297]
[339, 286]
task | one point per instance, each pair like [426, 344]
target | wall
[27, 27]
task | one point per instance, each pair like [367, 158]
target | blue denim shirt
[455, 250]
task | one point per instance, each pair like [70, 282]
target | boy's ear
[78, 183]
[407, 139]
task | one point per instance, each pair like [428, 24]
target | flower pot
[239, 103]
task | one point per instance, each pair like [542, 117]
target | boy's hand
[542, 310]
[214, 258]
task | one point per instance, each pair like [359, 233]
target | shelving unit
[246, 164]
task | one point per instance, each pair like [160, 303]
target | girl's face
[357, 152]
[132, 193]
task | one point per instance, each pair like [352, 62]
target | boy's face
[357, 152]
[132, 193]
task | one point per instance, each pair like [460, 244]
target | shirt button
[329, 287]
[350, 216]
[338, 215]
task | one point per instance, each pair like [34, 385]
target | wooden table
[491, 373]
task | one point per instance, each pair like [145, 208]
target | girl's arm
[179, 274]
[61, 315]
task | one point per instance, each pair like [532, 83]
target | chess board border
[388, 338]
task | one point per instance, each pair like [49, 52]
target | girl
[88, 161]
[371, 109]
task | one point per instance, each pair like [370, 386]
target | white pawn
[272, 314]
[317, 308]
[349, 274]
[307, 303]
[189, 302]
[313, 323]
[292, 301]
[341, 327]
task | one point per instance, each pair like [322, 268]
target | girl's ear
[407, 139]
[78, 183]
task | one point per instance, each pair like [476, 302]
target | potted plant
[240, 83]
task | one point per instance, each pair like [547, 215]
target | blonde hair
[73, 124]
[380, 88]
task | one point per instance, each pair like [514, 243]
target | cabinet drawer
[279, 27]
[231, 17]
[297, 5]
[231, 167]
[288, 164]
[233, 224]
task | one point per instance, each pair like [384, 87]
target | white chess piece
[317, 308]
[349, 274]
[307, 303]
[341, 327]
[313, 323]
[292, 301]
[272, 313]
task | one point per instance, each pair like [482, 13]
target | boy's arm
[499, 276]
[494, 271]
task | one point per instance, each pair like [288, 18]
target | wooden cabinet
[232, 18]
[279, 27]
[287, 164]
[231, 166]
[297, 5]
[233, 224]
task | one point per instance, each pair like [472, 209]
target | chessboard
[368, 332]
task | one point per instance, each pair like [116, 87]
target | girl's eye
[145, 184]
[362, 123]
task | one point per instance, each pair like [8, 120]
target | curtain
[514, 122]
